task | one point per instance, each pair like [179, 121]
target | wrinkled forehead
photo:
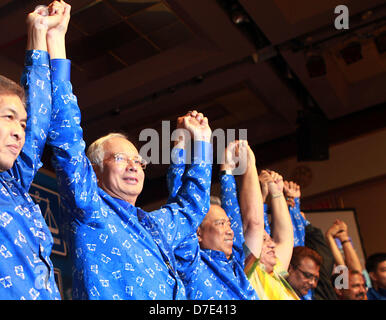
[215, 213]
[14, 104]
[119, 145]
[356, 279]
[309, 264]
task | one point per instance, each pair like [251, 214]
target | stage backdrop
[324, 219]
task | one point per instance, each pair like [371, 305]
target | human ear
[373, 277]
[199, 233]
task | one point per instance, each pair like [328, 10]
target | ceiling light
[352, 52]
[316, 66]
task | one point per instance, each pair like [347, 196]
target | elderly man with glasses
[120, 251]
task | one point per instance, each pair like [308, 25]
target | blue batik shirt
[26, 271]
[267, 227]
[119, 251]
[298, 222]
[208, 274]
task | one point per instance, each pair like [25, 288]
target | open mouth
[131, 180]
[271, 253]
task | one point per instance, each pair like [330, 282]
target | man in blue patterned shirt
[211, 260]
[26, 271]
[120, 251]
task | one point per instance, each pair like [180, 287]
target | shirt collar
[217, 255]
[127, 206]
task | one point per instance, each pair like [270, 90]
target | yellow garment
[268, 286]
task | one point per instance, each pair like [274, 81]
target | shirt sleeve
[299, 223]
[230, 204]
[189, 198]
[267, 227]
[36, 81]
[175, 172]
[77, 181]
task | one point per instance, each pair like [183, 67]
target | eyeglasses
[123, 159]
[308, 275]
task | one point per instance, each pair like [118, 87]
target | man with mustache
[354, 288]
[26, 271]
[303, 272]
[211, 259]
[350, 283]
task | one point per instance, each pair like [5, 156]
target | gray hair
[96, 152]
[215, 200]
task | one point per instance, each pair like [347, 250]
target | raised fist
[197, 124]
[291, 189]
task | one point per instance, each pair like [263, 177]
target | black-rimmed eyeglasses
[308, 275]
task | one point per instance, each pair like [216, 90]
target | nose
[229, 230]
[271, 244]
[131, 166]
[17, 131]
[313, 282]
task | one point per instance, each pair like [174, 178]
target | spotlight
[380, 42]
[352, 52]
[237, 14]
[316, 66]
[238, 17]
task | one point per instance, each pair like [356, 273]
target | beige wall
[369, 201]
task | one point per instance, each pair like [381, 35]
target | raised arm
[37, 85]
[190, 187]
[56, 44]
[281, 224]
[229, 202]
[76, 178]
[292, 195]
[192, 127]
[351, 258]
[251, 205]
[330, 237]
[178, 158]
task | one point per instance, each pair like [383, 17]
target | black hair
[373, 261]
